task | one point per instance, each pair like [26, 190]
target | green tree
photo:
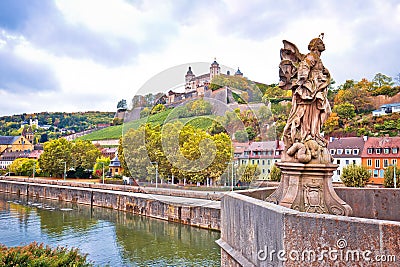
[248, 173]
[56, 153]
[23, 166]
[84, 154]
[381, 80]
[135, 153]
[389, 178]
[345, 110]
[355, 176]
[241, 136]
[357, 94]
[145, 112]
[157, 109]
[98, 167]
[251, 133]
[275, 174]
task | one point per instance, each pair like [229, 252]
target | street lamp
[33, 172]
[65, 170]
[102, 163]
[155, 162]
[232, 182]
[394, 175]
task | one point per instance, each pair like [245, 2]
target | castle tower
[214, 69]
[188, 77]
[238, 73]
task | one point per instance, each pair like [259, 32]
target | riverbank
[201, 212]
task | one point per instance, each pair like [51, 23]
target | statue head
[317, 44]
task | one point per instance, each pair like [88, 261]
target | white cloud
[101, 51]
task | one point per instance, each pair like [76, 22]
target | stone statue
[308, 79]
[306, 181]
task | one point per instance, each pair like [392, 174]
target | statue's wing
[290, 58]
[291, 52]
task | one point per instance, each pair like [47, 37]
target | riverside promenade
[197, 208]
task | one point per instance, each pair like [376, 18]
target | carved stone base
[308, 188]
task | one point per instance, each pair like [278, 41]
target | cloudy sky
[79, 55]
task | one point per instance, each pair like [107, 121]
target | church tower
[214, 69]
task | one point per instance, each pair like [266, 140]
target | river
[109, 237]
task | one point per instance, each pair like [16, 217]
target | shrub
[275, 174]
[355, 176]
[389, 178]
[36, 254]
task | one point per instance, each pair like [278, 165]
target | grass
[115, 132]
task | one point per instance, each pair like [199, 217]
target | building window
[385, 163]
[369, 162]
[394, 150]
[377, 163]
[338, 161]
[375, 173]
[252, 161]
[370, 150]
[347, 162]
[378, 150]
[347, 151]
[354, 161]
[382, 173]
[386, 150]
[356, 151]
[263, 162]
[338, 172]
[263, 171]
[332, 151]
[268, 162]
[394, 162]
[339, 151]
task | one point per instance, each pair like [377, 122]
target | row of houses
[14, 147]
[374, 153]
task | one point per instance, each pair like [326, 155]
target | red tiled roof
[381, 142]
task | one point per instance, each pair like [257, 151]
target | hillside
[115, 132]
[54, 124]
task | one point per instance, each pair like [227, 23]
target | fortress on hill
[198, 86]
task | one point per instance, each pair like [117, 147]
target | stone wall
[203, 216]
[257, 233]
[371, 203]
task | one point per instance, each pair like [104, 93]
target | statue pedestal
[308, 188]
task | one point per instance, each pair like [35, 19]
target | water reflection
[110, 237]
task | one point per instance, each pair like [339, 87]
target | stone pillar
[308, 188]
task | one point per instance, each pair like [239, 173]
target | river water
[109, 237]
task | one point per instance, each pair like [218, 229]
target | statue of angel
[308, 79]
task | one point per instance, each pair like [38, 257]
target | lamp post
[232, 182]
[155, 162]
[102, 163]
[33, 172]
[394, 175]
[65, 170]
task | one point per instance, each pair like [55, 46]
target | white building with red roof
[345, 151]
[264, 154]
